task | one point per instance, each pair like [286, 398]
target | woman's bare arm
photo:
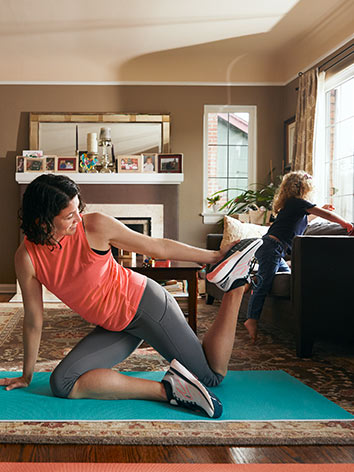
[33, 318]
[103, 231]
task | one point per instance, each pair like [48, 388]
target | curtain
[305, 122]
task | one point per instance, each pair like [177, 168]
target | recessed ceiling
[165, 41]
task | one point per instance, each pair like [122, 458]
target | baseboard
[7, 288]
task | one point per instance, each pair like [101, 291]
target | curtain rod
[322, 66]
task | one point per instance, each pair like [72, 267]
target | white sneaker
[235, 268]
[184, 389]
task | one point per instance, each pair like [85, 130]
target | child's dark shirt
[290, 221]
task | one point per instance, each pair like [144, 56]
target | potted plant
[213, 200]
[261, 197]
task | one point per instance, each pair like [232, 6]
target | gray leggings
[159, 321]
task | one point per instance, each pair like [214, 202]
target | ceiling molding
[142, 83]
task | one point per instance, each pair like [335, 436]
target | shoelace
[258, 277]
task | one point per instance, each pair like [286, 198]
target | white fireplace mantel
[123, 178]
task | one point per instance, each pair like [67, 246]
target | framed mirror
[65, 134]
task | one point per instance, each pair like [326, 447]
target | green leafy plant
[260, 196]
[213, 200]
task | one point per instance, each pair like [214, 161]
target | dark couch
[316, 299]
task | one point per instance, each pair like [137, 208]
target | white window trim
[338, 79]
[210, 217]
[324, 85]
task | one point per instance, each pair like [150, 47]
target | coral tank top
[95, 286]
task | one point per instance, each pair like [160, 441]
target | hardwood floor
[168, 454]
[179, 454]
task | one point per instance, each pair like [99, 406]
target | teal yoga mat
[246, 396]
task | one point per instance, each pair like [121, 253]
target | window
[334, 166]
[229, 150]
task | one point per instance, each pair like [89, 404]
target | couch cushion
[234, 230]
[324, 227]
[281, 285]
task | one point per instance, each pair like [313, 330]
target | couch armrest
[214, 241]
[322, 286]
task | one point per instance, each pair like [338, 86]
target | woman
[70, 254]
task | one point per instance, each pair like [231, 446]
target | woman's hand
[14, 382]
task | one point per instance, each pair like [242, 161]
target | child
[292, 208]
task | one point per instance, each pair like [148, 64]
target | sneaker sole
[226, 267]
[188, 377]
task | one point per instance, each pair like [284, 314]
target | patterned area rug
[329, 372]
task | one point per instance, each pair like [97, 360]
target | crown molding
[143, 83]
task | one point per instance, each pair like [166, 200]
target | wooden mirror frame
[102, 118]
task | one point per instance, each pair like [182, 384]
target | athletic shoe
[235, 268]
[184, 389]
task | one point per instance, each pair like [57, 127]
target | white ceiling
[166, 40]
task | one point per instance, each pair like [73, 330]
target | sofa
[315, 300]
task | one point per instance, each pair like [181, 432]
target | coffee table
[177, 271]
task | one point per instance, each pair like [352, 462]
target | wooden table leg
[192, 300]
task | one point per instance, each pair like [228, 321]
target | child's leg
[269, 258]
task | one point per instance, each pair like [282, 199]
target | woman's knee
[213, 380]
[61, 385]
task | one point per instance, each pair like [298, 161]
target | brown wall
[185, 103]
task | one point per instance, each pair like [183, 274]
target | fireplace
[146, 219]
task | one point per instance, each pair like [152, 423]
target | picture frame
[20, 163]
[34, 164]
[50, 163]
[170, 163]
[149, 163]
[131, 163]
[289, 135]
[66, 164]
[29, 153]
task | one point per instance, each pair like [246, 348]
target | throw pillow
[234, 230]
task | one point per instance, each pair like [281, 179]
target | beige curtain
[305, 122]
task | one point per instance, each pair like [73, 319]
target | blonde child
[292, 209]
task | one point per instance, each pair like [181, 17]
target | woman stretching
[292, 208]
[70, 254]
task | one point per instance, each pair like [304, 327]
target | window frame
[320, 144]
[210, 217]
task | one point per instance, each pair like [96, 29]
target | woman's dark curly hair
[44, 198]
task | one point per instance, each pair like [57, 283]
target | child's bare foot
[251, 326]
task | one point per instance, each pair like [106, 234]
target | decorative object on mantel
[67, 164]
[36, 164]
[87, 162]
[170, 163]
[36, 153]
[105, 153]
[149, 162]
[89, 159]
[129, 163]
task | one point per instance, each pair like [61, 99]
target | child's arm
[327, 206]
[331, 216]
